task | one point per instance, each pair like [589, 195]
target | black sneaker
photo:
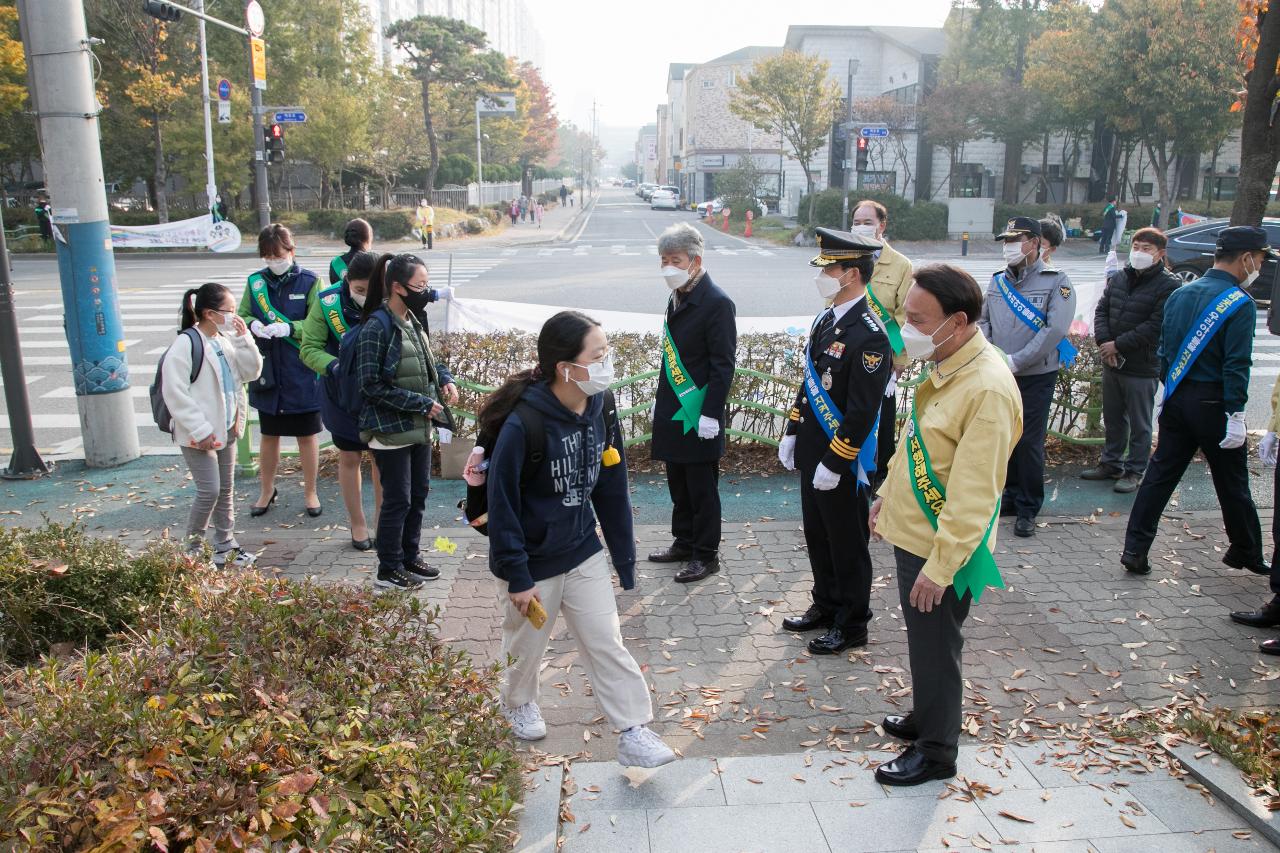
[420, 571]
[396, 579]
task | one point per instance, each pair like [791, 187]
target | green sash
[891, 327]
[980, 570]
[689, 397]
[331, 307]
[337, 267]
[258, 287]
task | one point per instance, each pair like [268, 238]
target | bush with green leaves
[387, 224]
[58, 585]
[921, 220]
[264, 715]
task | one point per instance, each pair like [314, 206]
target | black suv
[1191, 252]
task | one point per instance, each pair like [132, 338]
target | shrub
[58, 585]
[921, 220]
[387, 224]
[267, 715]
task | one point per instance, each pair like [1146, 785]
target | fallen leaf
[1011, 816]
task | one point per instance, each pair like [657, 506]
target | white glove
[824, 479]
[1235, 431]
[708, 427]
[444, 293]
[1267, 449]
[259, 330]
[445, 435]
[279, 330]
[787, 452]
[1159, 400]
[653, 410]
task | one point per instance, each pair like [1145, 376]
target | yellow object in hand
[536, 614]
[610, 457]
[445, 545]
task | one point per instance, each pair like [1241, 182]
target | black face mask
[416, 300]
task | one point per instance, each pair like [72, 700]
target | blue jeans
[405, 474]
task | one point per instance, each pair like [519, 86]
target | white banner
[199, 231]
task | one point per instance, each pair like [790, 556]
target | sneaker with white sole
[235, 557]
[396, 579]
[526, 721]
[641, 747]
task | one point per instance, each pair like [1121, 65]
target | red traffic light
[863, 142]
[276, 131]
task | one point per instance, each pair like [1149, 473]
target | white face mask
[1141, 260]
[827, 286]
[920, 346]
[1251, 277]
[225, 323]
[865, 231]
[279, 266]
[675, 277]
[1013, 254]
[599, 376]
[358, 299]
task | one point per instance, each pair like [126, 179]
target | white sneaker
[235, 557]
[641, 747]
[526, 721]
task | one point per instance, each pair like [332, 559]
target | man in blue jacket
[1205, 347]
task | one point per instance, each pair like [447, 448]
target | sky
[618, 53]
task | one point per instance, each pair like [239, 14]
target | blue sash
[1033, 317]
[1215, 313]
[829, 416]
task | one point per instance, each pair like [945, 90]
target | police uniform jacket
[1227, 356]
[1049, 290]
[704, 330]
[856, 355]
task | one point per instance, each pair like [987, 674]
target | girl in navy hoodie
[542, 532]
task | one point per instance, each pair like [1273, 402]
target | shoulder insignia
[1065, 291]
[872, 323]
[871, 361]
[331, 299]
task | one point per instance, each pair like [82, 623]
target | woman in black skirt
[276, 301]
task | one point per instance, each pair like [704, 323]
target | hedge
[387, 224]
[921, 220]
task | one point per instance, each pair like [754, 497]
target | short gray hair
[681, 237]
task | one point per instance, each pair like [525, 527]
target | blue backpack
[343, 379]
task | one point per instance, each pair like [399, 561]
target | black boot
[1267, 617]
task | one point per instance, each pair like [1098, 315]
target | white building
[508, 24]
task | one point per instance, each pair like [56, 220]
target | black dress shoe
[1256, 564]
[812, 619]
[698, 570]
[1025, 527]
[1267, 617]
[256, 511]
[900, 726]
[365, 544]
[673, 554]
[315, 511]
[1136, 564]
[835, 641]
[912, 768]
[1270, 647]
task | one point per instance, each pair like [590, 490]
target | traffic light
[274, 142]
[162, 10]
[863, 142]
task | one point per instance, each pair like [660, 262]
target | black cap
[1245, 238]
[836, 246]
[1021, 226]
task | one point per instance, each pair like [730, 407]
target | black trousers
[1193, 420]
[835, 531]
[695, 507]
[934, 645]
[1275, 537]
[1024, 483]
[886, 436]
[405, 474]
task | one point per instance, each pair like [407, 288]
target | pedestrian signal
[863, 142]
[274, 142]
[162, 10]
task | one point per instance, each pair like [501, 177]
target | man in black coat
[1126, 326]
[689, 414]
[849, 362]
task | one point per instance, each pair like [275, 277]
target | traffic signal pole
[211, 182]
[57, 46]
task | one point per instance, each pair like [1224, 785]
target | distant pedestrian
[219, 209]
[538, 211]
[276, 301]
[524, 208]
[1109, 217]
[543, 545]
[210, 411]
[514, 210]
[424, 223]
[44, 217]
[1126, 326]
[564, 194]
[358, 235]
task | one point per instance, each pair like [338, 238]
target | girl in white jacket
[209, 413]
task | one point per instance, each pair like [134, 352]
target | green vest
[416, 371]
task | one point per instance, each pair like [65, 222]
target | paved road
[608, 262]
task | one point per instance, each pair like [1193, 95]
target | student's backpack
[344, 380]
[159, 409]
[475, 506]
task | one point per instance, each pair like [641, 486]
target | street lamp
[848, 130]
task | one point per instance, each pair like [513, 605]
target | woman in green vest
[358, 235]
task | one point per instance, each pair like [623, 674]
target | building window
[733, 77]
[708, 84]
[967, 182]
[1142, 189]
[1219, 188]
[903, 94]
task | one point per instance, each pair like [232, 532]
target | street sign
[496, 105]
[254, 19]
[224, 112]
[259, 49]
[874, 131]
[290, 117]
[224, 89]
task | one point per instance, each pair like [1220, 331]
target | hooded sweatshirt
[550, 528]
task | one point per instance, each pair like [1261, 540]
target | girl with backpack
[402, 387]
[276, 300]
[210, 411]
[543, 545]
[336, 312]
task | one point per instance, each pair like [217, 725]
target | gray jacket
[1050, 291]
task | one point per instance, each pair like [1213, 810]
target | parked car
[646, 191]
[675, 191]
[628, 183]
[663, 200]
[1191, 250]
[713, 208]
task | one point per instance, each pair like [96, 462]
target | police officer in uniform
[849, 364]
[1027, 312]
[1206, 341]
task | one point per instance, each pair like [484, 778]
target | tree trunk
[1260, 134]
[161, 175]
[432, 143]
[1012, 170]
[1113, 168]
[324, 189]
[1160, 162]
[808, 183]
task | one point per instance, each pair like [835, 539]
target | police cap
[1245, 238]
[835, 246]
[1020, 226]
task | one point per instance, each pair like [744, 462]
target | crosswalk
[150, 320]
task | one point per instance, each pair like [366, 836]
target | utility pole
[211, 182]
[25, 462]
[57, 46]
[848, 147]
[253, 15]
[479, 161]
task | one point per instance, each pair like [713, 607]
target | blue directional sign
[224, 90]
[295, 117]
[874, 132]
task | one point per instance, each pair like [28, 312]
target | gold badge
[871, 361]
[1012, 225]
[1065, 291]
[826, 380]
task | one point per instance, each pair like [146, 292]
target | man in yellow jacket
[939, 506]
[887, 297]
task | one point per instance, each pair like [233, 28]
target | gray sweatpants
[1128, 405]
[213, 473]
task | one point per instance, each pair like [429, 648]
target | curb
[539, 825]
[1225, 782]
